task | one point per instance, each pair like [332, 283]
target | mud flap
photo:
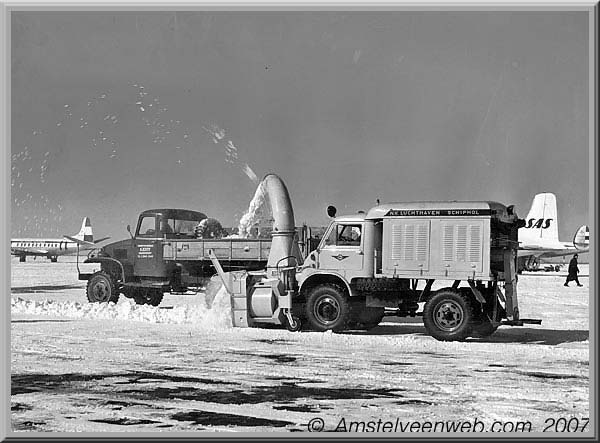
[510, 285]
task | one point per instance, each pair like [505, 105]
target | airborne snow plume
[250, 173]
[256, 212]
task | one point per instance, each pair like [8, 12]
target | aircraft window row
[35, 244]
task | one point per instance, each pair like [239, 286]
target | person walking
[573, 271]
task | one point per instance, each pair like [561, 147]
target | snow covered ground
[181, 366]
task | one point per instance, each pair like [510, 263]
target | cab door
[342, 249]
[148, 248]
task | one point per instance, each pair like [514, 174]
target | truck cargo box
[224, 249]
[437, 240]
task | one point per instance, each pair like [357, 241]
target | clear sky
[117, 112]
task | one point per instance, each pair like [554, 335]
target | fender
[309, 275]
[102, 260]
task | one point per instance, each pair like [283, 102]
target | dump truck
[164, 254]
[385, 262]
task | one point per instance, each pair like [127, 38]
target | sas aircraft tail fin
[542, 221]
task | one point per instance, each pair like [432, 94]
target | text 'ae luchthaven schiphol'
[396, 425]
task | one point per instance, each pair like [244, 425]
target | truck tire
[448, 315]
[151, 297]
[327, 308]
[101, 288]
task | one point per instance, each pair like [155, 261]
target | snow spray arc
[259, 211]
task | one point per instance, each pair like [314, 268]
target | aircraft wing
[101, 240]
[79, 242]
[546, 252]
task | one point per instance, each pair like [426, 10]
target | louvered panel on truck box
[462, 245]
[439, 247]
[408, 245]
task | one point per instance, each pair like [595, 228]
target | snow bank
[213, 315]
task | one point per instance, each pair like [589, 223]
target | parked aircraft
[51, 248]
[539, 237]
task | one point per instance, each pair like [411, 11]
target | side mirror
[129, 230]
[331, 211]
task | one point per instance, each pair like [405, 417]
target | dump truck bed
[224, 249]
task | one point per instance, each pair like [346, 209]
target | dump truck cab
[154, 227]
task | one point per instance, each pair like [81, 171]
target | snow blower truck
[385, 262]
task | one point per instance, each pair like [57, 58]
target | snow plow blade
[522, 321]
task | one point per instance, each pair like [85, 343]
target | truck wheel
[327, 308]
[101, 288]
[448, 316]
[151, 297]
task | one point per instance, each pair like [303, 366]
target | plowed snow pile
[214, 314]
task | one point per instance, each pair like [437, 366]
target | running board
[393, 312]
[165, 285]
[521, 322]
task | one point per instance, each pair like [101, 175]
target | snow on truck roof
[438, 209]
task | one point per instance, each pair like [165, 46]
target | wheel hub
[327, 310]
[101, 291]
[448, 316]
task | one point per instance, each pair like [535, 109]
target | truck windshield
[147, 227]
[167, 227]
[344, 235]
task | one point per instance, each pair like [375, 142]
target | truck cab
[342, 248]
[154, 228]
